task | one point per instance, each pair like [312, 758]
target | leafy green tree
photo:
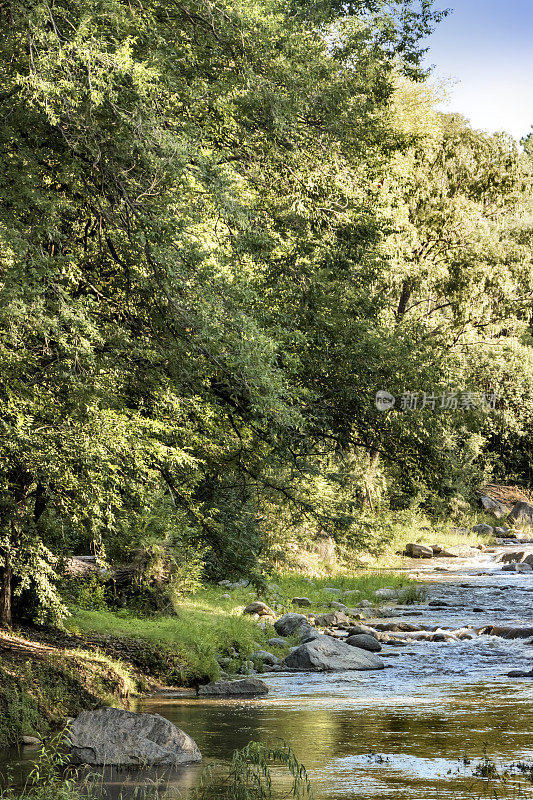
[161, 163]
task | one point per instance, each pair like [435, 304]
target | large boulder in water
[114, 736]
[328, 654]
[365, 641]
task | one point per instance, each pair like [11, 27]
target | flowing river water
[416, 729]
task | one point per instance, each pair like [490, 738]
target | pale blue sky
[487, 46]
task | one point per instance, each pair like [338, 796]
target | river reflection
[380, 749]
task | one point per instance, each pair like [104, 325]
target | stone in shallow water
[114, 736]
[365, 642]
[328, 654]
[518, 673]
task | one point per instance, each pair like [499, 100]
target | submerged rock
[506, 632]
[459, 551]
[328, 654]
[113, 736]
[519, 673]
[248, 687]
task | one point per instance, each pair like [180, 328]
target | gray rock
[416, 550]
[259, 608]
[365, 642]
[336, 618]
[277, 642]
[357, 630]
[114, 736]
[267, 658]
[328, 654]
[338, 606]
[483, 529]
[515, 556]
[332, 590]
[247, 687]
[522, 512]
[517, 568]
[302, 602]
[224, 583]
[355, 613]
[506, 632]
[386, 594]
[380, 612]
[30, 741]
[494, 506]
[288, 623]
[519, 673]
[499, 531]
[292, 624]
[225, 597]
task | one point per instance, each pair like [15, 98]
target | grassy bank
[40, 686]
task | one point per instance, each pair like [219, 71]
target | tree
[145, 148]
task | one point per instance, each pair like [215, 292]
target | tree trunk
[6, 577]
[404, 299]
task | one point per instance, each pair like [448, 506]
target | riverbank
[105, 656]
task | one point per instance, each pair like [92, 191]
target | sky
[483, 51]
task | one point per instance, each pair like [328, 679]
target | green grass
[195, 635]
[364, 585]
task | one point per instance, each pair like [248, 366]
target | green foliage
[88, 592]
[222, 230]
